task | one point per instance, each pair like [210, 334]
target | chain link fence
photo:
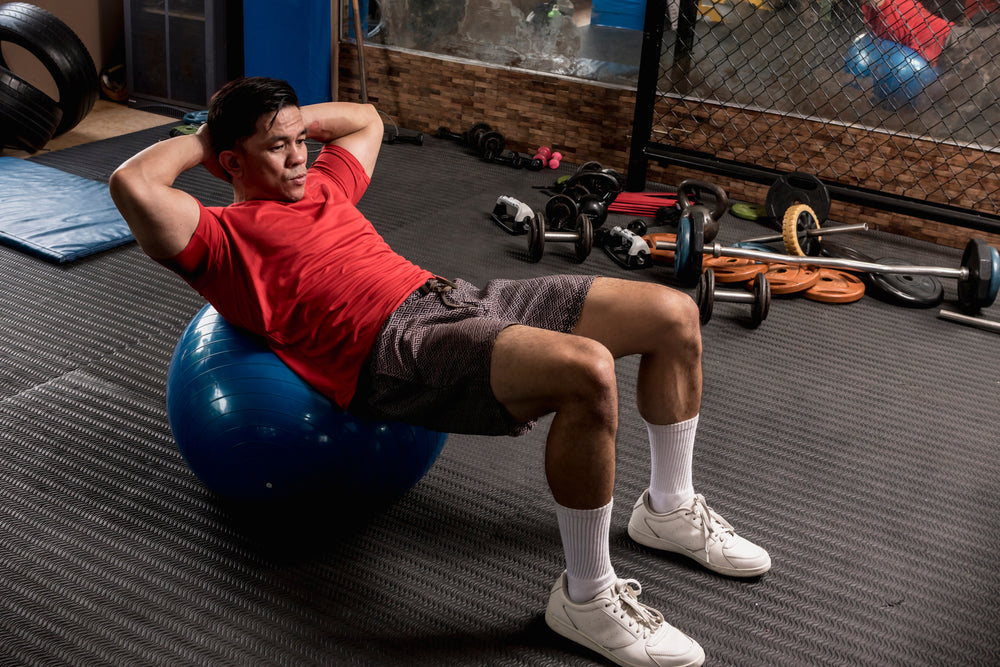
[754, 90]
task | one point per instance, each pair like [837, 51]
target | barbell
[978, 276]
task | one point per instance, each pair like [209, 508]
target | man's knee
[677, 315]
[589, 371]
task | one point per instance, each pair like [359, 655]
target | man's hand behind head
[211, 161]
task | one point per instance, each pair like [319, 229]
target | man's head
[257, 132]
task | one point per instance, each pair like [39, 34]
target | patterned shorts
[430, 364]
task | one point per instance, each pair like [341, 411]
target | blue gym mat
[56, 215]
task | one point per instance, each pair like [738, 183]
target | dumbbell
[563, 208]
[516, 160]
[582, 237]
[978, 276]
[480, 137]
[394, 135]
[759, 297]
[594, 179]
[549, 158]
[509, 158]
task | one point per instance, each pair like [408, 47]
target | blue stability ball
[251, 429]
[898, 72]
[860, 55]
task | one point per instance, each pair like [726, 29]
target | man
[293, 260]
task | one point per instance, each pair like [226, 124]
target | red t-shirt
[907, 22]
[312, 277]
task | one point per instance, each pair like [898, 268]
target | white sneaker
[697, 531]
[622, 629]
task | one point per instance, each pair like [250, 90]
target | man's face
[273, 159]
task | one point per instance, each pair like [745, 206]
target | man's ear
[232, 163]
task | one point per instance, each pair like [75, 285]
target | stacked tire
[28, 117]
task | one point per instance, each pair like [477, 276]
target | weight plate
[761, 299]
[536, 238]
[905, 290]
[475, 134]
[687, 262]
[585, 243]
[836, 287]
[682, 253]
[662, 256]
[791, 278]
[974, 292]
[845, 252]
[799, 219]
[598, 183]
[995, 280]
[733, 269]
[559, 211]
[754, 212]
[797, 188]
[705, 296]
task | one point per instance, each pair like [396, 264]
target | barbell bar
[978, 276]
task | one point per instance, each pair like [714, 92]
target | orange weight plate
[733, 269]
[665, 256]
[836, 287]
[791, 278]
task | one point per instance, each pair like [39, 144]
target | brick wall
[585, 121]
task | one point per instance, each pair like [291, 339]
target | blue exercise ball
[252, 429]
[862, 52]
[901, 73]
[898, 72]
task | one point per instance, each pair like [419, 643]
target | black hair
[234, 109]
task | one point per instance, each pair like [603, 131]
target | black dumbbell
[563, 207]
[481, 138]
[509, 158]
[759, 297]
[394, 135]
[582, 237]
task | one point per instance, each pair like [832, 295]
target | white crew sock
[671, 448]
[585, 541]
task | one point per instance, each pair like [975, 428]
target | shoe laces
[642, 620]
[713, 526]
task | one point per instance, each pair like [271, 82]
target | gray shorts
[430, 364]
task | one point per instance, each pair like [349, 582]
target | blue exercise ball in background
[860, 55]
[898, 72]
[251, 429]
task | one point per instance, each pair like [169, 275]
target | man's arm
[161, 217]
[355, 127]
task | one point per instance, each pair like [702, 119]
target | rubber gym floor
[857, 442]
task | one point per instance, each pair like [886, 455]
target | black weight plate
[536, 238]
[905, 290]
[797, 188]
[836, 250]
[560, 212]
[976, 291]
[705, 296]
[585, 243]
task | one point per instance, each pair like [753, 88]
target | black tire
[28, 117]
[60, 50]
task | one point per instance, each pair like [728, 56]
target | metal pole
[360, 41]
[989, 325]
